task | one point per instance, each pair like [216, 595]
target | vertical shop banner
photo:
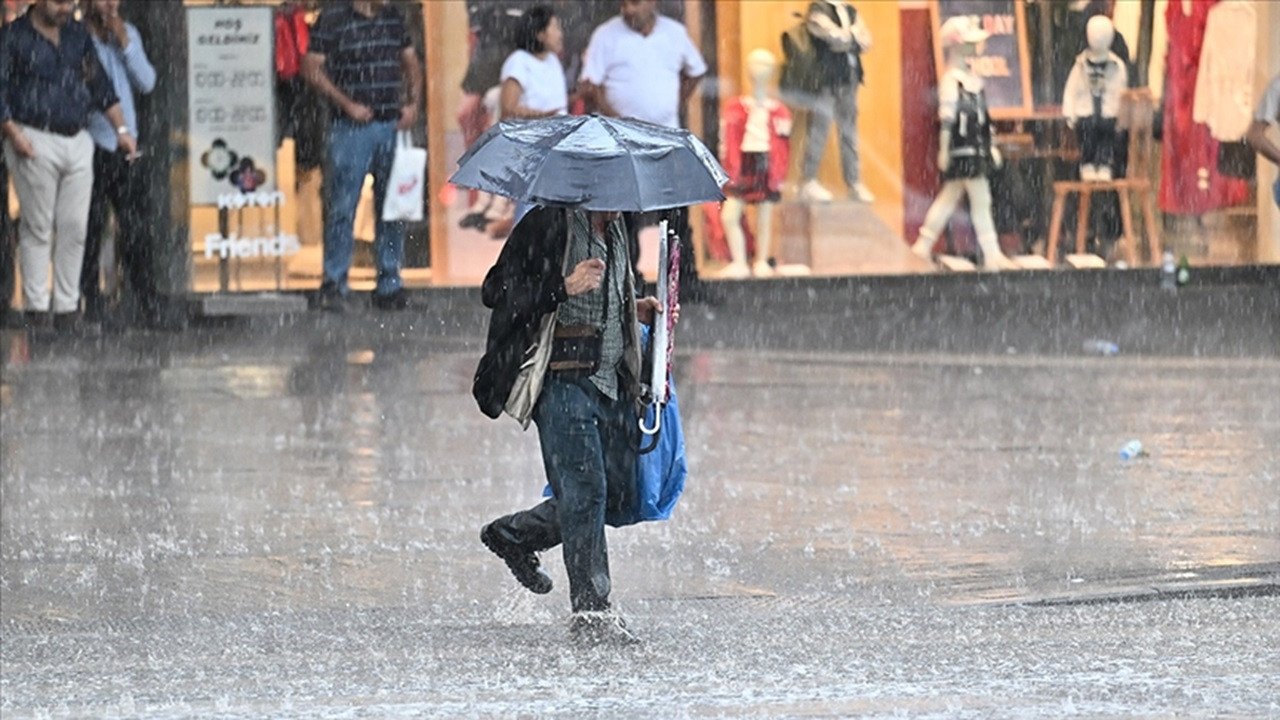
[1003, 63]
[231, 91]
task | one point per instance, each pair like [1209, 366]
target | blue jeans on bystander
[356, 150]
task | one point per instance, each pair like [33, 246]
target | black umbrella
[591, 162]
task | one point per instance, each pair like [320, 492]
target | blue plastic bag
[660, 473]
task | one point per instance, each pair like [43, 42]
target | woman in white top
[533, 86]
[533, 83]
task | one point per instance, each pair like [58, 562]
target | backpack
[799, 71]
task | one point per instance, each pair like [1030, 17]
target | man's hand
[357, 112]
[22, 146]
[997, 159]
[586, 276]
[408, 115]
[647, 308]
[129, 146]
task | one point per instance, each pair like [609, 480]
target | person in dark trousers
[587, 422]
[50, 82]
[641, 64]
[117, 181]
[362, 59]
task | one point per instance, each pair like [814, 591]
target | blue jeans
[1275, 190]
[355, 151]
[588, 449]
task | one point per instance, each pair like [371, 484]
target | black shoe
[38, 323]
[71, 324]
[601, 628]
[522, 563]
[331, 300]
[397, 300]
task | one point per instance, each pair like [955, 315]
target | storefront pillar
[162, 119]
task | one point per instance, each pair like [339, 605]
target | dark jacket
[834, 68]
[525, 283]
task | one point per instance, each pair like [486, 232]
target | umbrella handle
[657, 422]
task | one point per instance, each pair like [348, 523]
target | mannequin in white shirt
[1091, 99]
[761, 65]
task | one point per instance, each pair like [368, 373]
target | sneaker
[861, 194]
[596, 628]
[522, 563]
[396, 300]
[736, 271]
[331, 300]
[813, 192]
[762, 269]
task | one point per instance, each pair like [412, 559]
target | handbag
[405, 185]
[576, 349]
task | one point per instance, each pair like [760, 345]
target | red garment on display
[292, 37]
[736, 112]
[1190, 183]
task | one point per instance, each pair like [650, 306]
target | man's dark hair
[535, 20]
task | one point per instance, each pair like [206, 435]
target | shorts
[753, 186]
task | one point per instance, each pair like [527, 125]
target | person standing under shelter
[1268, 114]
[50, 81]
[643, 65]
[533, 82]
[362, 59]
[117, 181]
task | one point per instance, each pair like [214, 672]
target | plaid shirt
[586, 309]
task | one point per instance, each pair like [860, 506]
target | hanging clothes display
[1224, 84]
[1190, 182]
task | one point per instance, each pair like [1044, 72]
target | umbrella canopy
[591, 162]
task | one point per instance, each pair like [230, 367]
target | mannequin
[1091, 99]
[756, 154]
[965, 152]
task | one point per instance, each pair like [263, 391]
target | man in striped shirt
[362, 59]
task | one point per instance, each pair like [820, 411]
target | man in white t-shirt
[643, 65]
[1268, 114]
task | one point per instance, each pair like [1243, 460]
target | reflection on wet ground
[248, 524]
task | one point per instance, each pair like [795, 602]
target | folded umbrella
[590, 162]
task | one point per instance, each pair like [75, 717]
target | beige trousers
[53, 201]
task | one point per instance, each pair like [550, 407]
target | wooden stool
[1122, 187]
[1137, 111]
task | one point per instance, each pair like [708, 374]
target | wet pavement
[899, 504]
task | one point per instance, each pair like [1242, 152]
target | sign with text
[1002, 61]
[231, 105]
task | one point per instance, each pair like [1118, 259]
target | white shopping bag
[405, 186]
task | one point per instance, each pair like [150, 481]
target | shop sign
[250, 247]
[1004, 64]
[231, 105]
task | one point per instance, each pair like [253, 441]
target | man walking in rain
[586, 411]
[50, 82]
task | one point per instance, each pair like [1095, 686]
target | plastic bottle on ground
[1168, 273]
[1100, 347]
[1131, 450]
